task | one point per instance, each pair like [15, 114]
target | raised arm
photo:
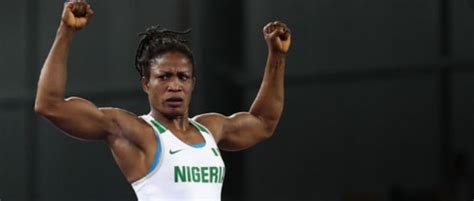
[245, 129]
[75, 116]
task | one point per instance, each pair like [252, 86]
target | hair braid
[154, 42]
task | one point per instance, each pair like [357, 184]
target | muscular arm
[245, 129]
[75, 116]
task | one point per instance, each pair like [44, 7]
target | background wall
[378, 99]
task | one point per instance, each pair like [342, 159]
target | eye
[163, 77]
[183, 77]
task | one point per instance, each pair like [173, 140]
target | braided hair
[155, 42]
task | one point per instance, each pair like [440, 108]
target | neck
[180, 122]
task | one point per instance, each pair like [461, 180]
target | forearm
[268, 104]
[52, 81]
[245, 129]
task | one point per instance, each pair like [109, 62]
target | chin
[174, 113]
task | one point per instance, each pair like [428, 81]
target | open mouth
[174, 101]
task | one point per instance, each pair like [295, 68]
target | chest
[190, 137]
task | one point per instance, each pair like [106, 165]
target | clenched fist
[77, 14]
[278, 37]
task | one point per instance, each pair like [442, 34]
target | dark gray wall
[378, 96]
[377, 100]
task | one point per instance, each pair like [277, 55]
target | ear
[145, 83]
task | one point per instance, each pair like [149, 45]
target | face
[170, 84]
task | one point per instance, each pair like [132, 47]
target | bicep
[241, 130]
[81, 119]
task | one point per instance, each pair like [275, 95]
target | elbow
[267, 135]
[270, 129]
[267, 125]
[44, 108]
[41, 109]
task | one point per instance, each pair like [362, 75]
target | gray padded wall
[14, 49]
[363, 136]
[462, 30]
[390, 112]
[336, 36]
[362, 110]
[14, 155]
[14, 160]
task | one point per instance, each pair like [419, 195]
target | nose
[175, 86]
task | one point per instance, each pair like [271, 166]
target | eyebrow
[170, 72]
[179, 71]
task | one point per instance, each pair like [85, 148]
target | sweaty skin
[169, 88]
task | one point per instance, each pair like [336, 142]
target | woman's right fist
[77, 14]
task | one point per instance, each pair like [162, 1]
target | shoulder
[212, 121]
